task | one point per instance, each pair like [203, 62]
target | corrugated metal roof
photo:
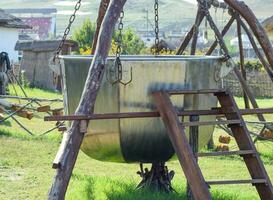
[10, 21]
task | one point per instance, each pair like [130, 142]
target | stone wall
[259, 83]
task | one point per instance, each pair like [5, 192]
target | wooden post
[255, 26]
[176, 133]
[193, 140]
[242, 60]
[102, 10]
[72, 140]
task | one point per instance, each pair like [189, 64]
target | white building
[9, 34]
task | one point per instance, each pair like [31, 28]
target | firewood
[15, 107]
[25, 114]
[222, 147]
[267, 134]
[57, 112]
[43, 109]
[225, 139]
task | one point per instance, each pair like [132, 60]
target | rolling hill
[174, 14]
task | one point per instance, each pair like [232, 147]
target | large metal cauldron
[139, 140]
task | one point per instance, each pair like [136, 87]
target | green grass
[11, 129]
[25, 168]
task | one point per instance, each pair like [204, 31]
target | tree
[131, 42]
[84, 35]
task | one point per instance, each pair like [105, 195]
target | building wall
[36, 69]
[9, 37]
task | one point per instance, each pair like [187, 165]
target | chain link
[67, 30]
[119, 46]
[119, 39]
[156, 9]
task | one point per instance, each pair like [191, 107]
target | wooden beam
[216, 111]
[72, 139]
[227, 153]
[228, 122]
[102, 10]
[193, 141]
[231, 182]
[182, 148]
[242, 59]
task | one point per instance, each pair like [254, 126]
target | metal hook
[119, 76]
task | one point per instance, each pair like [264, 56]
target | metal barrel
[139, 140]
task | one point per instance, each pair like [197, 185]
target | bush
[84, 35]
[254, 66]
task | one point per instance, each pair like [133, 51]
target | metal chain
[156, 27]
[119, 39]
[119, 46]
[67, 30]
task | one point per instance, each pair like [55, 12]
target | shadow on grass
[86, 187]
[127, 191]
[6, 123]
[123, 191]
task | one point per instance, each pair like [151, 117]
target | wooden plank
[208, 91]
[242, 58]
[102, 11]
[182, 148]
[227, 153]
[193, 141]
[216, 111]
[211, 123]
[233, 182]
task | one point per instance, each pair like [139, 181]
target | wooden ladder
[188, 162]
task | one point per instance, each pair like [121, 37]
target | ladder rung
[227, 182]
[227, 153]
[211, 123]
[209, 91]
